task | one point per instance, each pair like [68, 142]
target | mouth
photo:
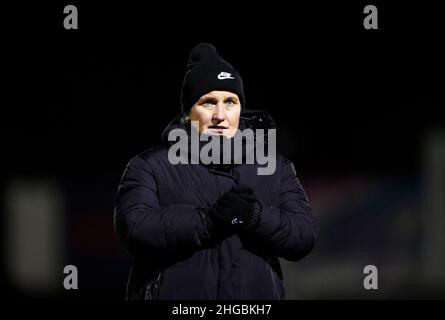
[219, 129]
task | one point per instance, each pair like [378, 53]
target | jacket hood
[249, 119]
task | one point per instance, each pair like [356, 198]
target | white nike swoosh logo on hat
[225, 75]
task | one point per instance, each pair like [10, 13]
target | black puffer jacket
[161, 217]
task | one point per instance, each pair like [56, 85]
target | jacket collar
[249, 119]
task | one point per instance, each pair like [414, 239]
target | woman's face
[218, 113]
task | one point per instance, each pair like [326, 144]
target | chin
[228, 133]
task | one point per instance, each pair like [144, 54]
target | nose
[219, 114]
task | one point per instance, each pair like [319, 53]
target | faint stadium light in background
[35, 235]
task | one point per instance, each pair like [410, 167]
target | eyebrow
[216, 99]
[204, 99]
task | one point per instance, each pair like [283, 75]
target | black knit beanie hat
[207, 71]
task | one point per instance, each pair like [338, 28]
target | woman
[211, 230]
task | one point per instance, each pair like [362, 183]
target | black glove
[235, 210]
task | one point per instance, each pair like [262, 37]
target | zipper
[234, 175]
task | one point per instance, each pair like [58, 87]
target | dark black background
[80, 103]
[355, 98]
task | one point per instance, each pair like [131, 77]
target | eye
[208, 103]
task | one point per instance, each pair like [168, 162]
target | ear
[186, 118]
